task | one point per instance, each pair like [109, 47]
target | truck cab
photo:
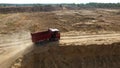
[55, 34]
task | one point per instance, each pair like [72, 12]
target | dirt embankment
[92, 56]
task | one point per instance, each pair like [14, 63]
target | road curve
[11, 51]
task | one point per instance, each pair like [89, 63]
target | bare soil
[89, 39]
[92, 56]
[87, 21]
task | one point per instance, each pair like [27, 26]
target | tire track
[90, 39]
[13, 51]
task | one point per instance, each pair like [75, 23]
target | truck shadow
[47, 43]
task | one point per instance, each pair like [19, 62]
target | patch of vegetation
[87, 5]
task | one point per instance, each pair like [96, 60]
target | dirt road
[9, 52]
[90, 39]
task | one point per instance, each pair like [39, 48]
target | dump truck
[51, 35]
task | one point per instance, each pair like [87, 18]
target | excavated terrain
[89, 39]
[92, 56]
[83, 21]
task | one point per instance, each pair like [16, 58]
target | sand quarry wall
[92, 56]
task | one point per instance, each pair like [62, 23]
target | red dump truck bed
[45, 35]
[40, 36]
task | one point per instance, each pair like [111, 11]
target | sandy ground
[10, 53]
[78, 27]
[92, 56]
[89, 21]
[16, 45]
[90, 39]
